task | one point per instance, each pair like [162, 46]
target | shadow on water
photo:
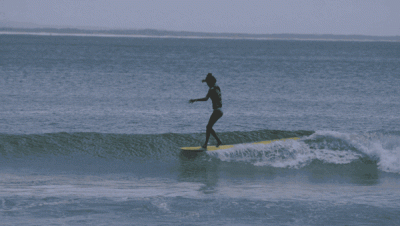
[203, 168]
[199, 167]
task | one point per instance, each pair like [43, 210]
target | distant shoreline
[150, 33]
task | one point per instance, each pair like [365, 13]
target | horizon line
[156, 33]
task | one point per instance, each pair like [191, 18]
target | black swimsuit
[215, 94]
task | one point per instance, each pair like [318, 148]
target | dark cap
[210, 78]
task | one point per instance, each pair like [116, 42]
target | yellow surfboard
[221, 147]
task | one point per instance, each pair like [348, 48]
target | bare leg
[217, 114]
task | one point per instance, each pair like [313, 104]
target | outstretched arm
[201, 99]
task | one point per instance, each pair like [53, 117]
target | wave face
[313, 149]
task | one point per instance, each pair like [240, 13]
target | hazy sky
[366, 17]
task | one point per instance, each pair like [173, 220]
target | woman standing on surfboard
[215, 94]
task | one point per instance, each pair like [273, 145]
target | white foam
[385, 148]
[326, 146]
[94, 187]
[284, 154]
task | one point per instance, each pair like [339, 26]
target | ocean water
[90, 131]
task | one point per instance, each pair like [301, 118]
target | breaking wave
[376, 149]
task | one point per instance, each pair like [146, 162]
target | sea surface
[91, 130]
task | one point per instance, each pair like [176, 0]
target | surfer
[215, 94]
